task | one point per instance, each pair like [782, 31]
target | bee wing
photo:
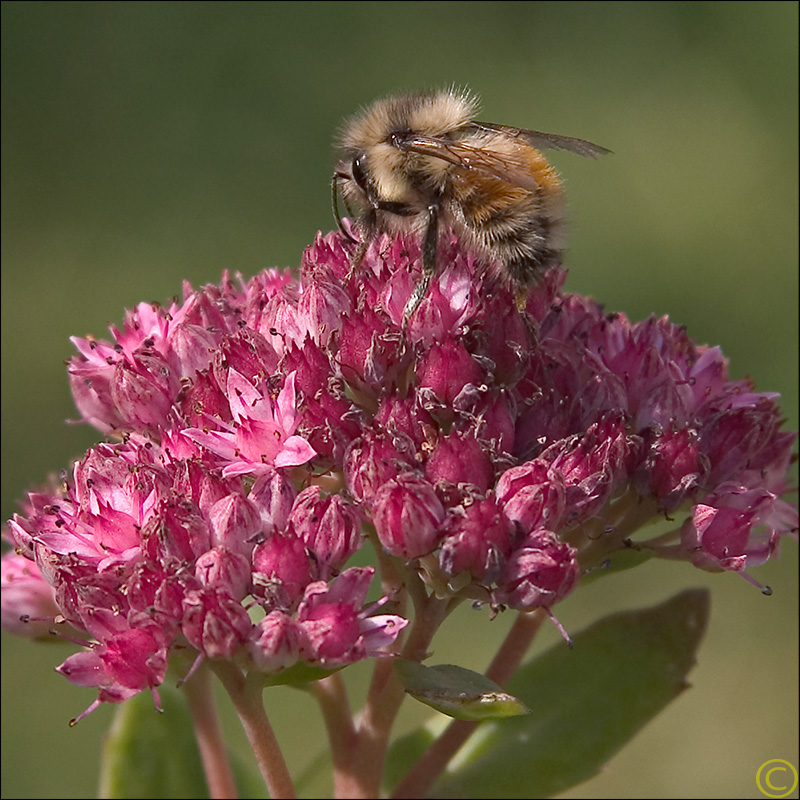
[503, 165]
[548, 141]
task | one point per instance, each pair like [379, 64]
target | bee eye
[360, 173]
[398, 138]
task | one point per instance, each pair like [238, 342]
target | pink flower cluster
[262, 426]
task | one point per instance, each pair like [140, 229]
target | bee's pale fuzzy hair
[432, 113]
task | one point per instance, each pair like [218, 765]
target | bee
[422, 163]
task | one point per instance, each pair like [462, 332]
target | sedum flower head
[260, 430]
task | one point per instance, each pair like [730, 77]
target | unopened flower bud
[445, 369]
[145, 390]
[224, 569]
[672, 468]
[214, 622]
[281, 569]
[29, 602]
[478, 538]
[178, 530]
[273, 495]
[540, 572]
[234, 523]
[408, 516]
[246, 352]
[460, 460]
[373, 459]
[532, 495]
[277, 642]
[328, 527]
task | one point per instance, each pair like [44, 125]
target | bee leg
[429, 248]
[521, 296]
[366, 229]
[357, 258]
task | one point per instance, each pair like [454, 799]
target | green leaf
[407, 750]
[246, 775]
[147, 754]
[299, 674]
[316, 780]
[585, 704]
[457, 692]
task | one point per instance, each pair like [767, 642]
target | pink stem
[385, 696]
[331, 694]
[200, 696]
[246, 694]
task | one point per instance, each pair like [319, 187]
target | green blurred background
[148, 143]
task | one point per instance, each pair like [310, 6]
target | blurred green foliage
[146, 143]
